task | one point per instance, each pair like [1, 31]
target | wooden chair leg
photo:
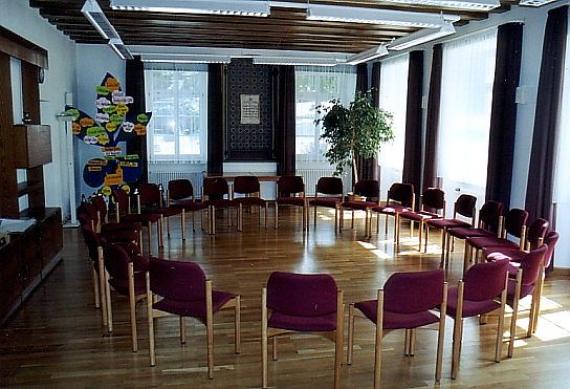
[443, 243]
[378, 342]
[514, 315]
[339, 337]
[274, 348]
[457, 332]
[539, 290]
[441, 335]
[240, 217]
[500, 327]
[264, 338]
[149, 236]
[350, 334]
[102, 289]
[406, 342]
[96, 292]
[426, 233]
[237, 325]
[193, 221]
[159, 231]
[210, 329]
[182, 330]
[109, 306]
[352, 220]
[412, 348]
[167, 227]
[276, 221]
[265, 214]
[336, 212]
[183, 224]
[420, 236]
[315, 217]
[132, 308]
[149, 301]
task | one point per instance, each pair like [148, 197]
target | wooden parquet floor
[56, 340]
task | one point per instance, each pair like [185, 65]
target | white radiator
[163, 178]
[311, 176]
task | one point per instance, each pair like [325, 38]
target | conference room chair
[180, 288]
[464, 214]
[400, 198]
[332, 189]
[125, 271]
[291, 192]
[216, 195]
[370, 190]
[482, 290]
[181, 195]
[514, 226]
[490, 224]
[250, 189]
[512, 251]
[406, 302]
[432, 206]
[527, 282]
[98, 201]
[301, 303]
[149, 201]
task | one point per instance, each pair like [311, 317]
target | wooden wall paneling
[18, 47]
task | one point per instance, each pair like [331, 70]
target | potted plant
[354, 131]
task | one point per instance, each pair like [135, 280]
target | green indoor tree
[355, 131]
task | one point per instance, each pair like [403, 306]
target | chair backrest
[122, 198]
[536, 232]
[433, 199]
[402, 193]
[180, 189]
[550, 241]
[246, 184]
[215, 187]
[92, 241]
[100, 205]
[287, 185]
[485, 281]
[489, 215]
[414, 292]
[330, 186]
[368, 188]
[465, 205]
[177, 280]
[515, 220]
[117, 261]
[531, 265]
[301, 294]
[149, 194]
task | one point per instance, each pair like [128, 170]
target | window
[393, 99]
[177, 97]
[465, 115]
[316, 86]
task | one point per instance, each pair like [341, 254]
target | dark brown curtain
[547, 117]
[215, 119]
[285, 98]
[504, 113]
[375, 83]
[367, 169]
[432, 125]
[135, 87]
[413, 142]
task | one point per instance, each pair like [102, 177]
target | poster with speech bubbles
[114, 122]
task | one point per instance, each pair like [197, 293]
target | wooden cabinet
[10, 277]
[32, 145]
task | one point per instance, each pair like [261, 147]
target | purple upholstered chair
[301, 302]
[149, 201]
[401, 197]
[482, 290]
[370, 190]
[535, 238]
[216, 193]
[463, 216]
[432, 207]
[291, 192]
[332, 188]
[181, 195]
[125, 271]
[528, 282]
[405, 303]
[250, 189]
[183, 290]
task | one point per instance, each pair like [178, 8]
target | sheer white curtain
[317, 86]
[561, 195]
[393, 98]
[465, 113]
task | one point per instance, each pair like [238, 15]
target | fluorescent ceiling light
[535, 3]
[368, 55]
[294, 61]
[422, 36]
[217, 7]
[93, 12]
[165, 58]
[474, 5]
[119, 47]
[333, 13]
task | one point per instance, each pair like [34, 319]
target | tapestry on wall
[114, 123]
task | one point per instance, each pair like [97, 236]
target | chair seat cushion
[121, 286]
[330, 202]
[221, 203]
[395, 320]
[188, 204]
[359, 205]
[298, 201]
[490, 241]
[196, 309]
[470, 308]
[418, 216]
[513, 254]
[141, 218]
[466, 232]
[447, 223]
[251, 201]
[391, 209]
[302, 323]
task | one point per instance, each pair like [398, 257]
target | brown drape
[432, 125]
[367, 168]
[215, 119]
[504, 113]
[413, 142]
[285, 126]
[547, 117]
[375, 83]
[135, 87]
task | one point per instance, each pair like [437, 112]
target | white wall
[17, 16]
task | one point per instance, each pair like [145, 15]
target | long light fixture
[333, 13]
[120, 49]
[421, 36]
[93, 12]
[209, 7]
[368, 55]
[162, 58]
[535, 3]
[294, 61]
[473, 5]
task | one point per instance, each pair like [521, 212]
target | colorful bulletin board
[113, 123]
